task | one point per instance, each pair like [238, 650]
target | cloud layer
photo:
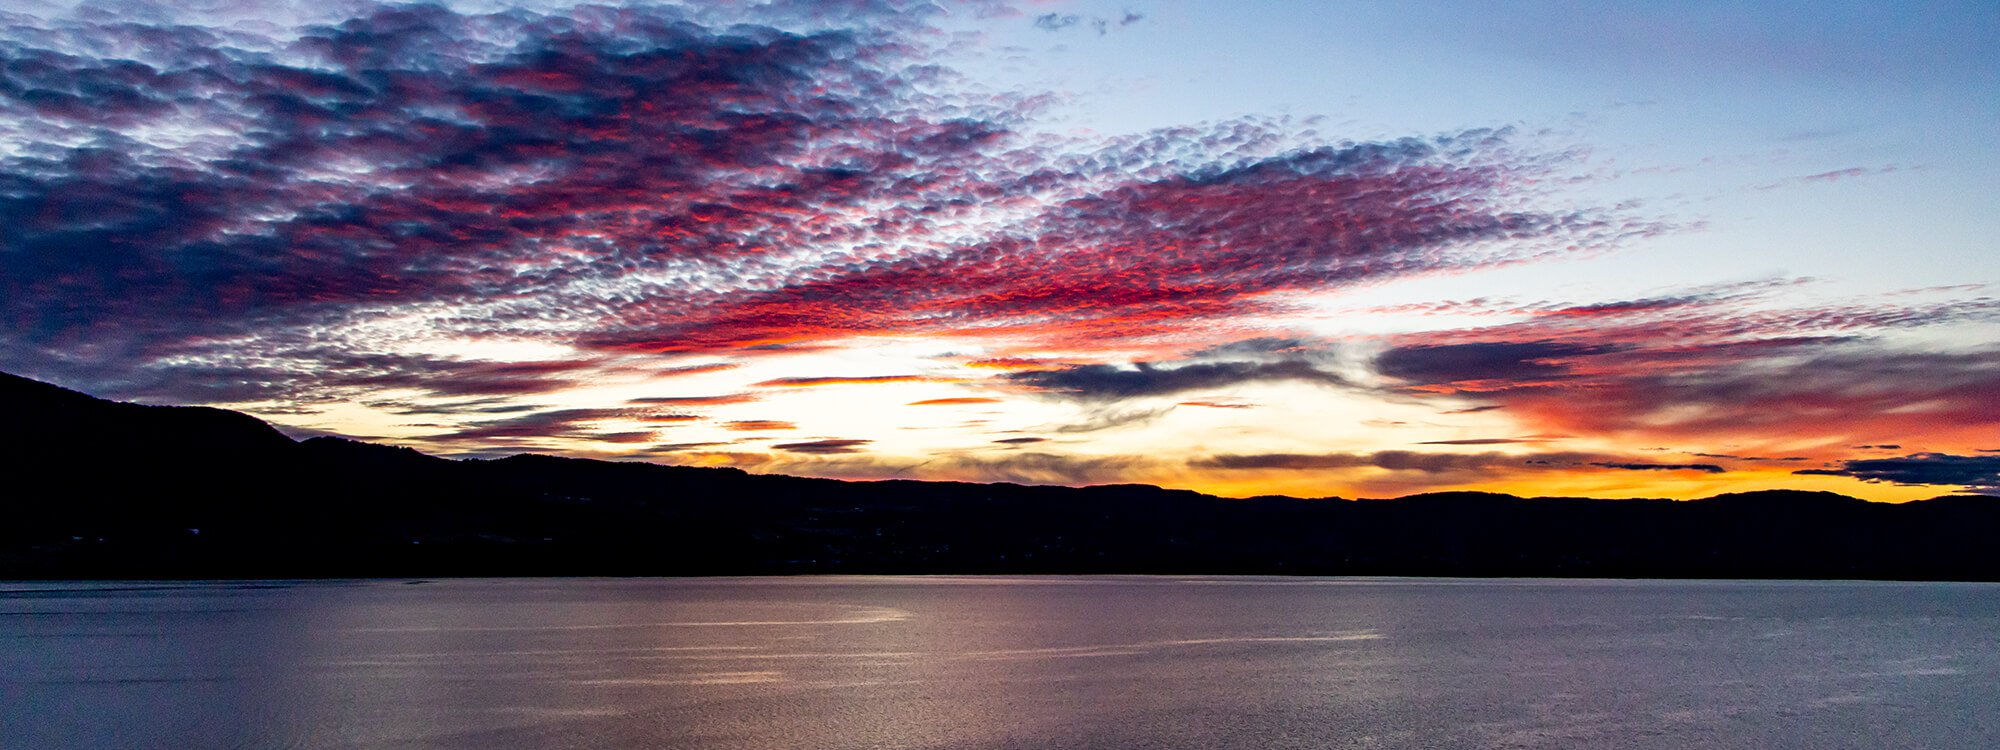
[201, 200]
[470, 216]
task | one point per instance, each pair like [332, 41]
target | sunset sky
[1309, 248]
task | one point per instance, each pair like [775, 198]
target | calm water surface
[1113, 663]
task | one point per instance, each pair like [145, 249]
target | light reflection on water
[929, 662]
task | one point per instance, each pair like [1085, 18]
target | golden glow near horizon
[944, 418]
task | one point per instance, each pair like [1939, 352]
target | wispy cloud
[828, 446]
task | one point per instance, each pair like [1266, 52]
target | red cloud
[1713, 368]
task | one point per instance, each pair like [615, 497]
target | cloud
[1473, 409]
[1021, 440]
[956, 401]
[814, 382]
[1013, 363]
[1029, 467]
[1469, 365]
[407, 153]
[1053, 22]
[702, 369]
[168, 183]
[239, 206]
[1492, 464]
[317, 374]
[1837, 175]
[1217, 404]
[1839, 392]
[822, 447]
[1109, 417]
[1097, 260]
[199, 210]
[720, 400]
[1057, 21]
[1705, 468]
[681, 447]
[1734, 457]
[554, 423]
[1717, 365]
[1976, 473]
[757, 425]
[1432, 463]
[1482, 441]
[1108, 382]
[670, 418]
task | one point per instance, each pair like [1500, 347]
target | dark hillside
[102, 489]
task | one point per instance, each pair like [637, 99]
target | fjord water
[926, 662]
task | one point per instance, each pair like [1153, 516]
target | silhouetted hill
[103, 489]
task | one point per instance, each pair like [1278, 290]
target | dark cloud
[437, 105]
[305, 375]
[1438, 463]
[1100, 24]
[1108, 382]
[669, 418]
[1034, 468]
[1430, 463]
[1021, 440]
[498, 405]
[1706, 468]
[1482, 441]
[515, 166]
[730, 398]
[823, 447]
[1057, 21]
[563, 423]
[1977, 473]
[1509, 362]
[634, 436]
[1750, 458]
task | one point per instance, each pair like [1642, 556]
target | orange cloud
[753, 425]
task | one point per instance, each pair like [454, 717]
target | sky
[1309, 248]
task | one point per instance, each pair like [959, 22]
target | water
[1113, 663]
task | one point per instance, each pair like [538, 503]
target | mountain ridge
[203, 492]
